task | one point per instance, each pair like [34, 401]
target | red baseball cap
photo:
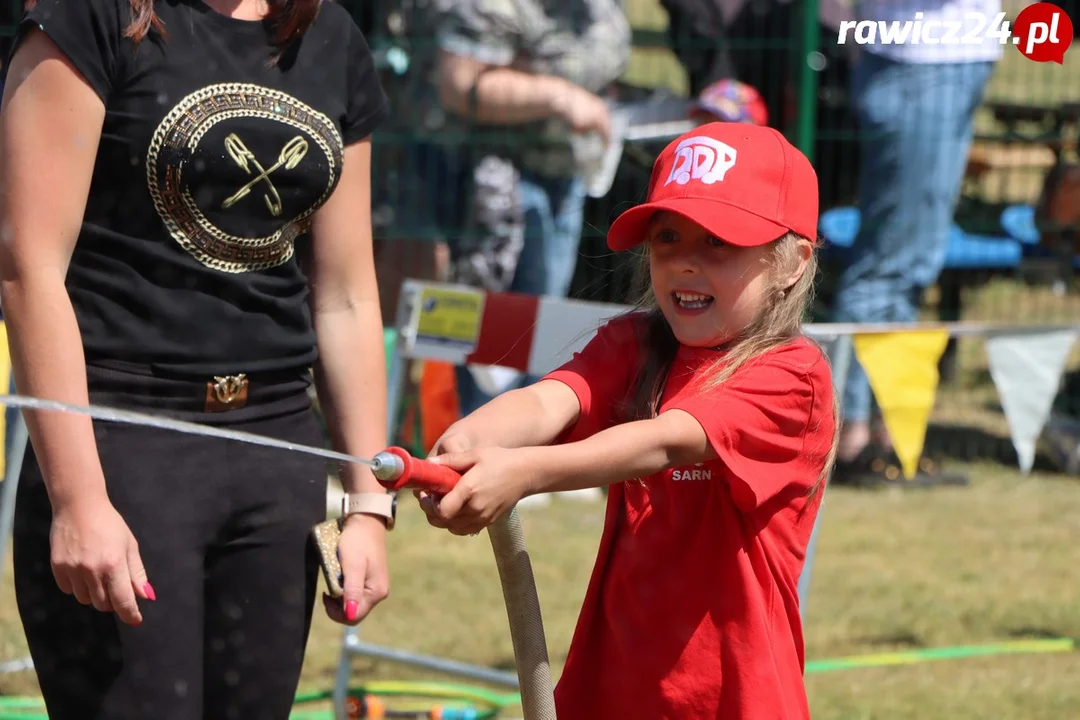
[745, 184]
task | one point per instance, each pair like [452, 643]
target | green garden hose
[31, 708]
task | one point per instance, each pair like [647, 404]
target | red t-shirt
[692, 609]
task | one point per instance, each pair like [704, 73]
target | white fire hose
[397, 470]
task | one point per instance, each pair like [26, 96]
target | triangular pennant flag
[1027, 369]
[903, 371]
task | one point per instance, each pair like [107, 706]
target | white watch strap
[372, 503]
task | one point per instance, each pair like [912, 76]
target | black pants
[223, 532]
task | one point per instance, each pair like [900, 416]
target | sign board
[448, 318]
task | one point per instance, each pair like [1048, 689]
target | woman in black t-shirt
[186, 229]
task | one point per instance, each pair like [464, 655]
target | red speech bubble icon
[1043, 32]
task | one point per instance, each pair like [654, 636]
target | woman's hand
[362, 549]
[493, 481]
[95, 558]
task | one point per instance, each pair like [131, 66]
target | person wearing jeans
[914, 105]
[552, 215]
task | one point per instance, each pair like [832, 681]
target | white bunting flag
[1027, 368]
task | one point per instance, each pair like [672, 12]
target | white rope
[130, 417]
[954, 329]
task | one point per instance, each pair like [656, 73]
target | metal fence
[1013, 269]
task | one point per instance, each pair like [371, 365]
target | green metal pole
[806, 120]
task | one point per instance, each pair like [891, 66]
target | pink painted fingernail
[149, 591]
[352, 610]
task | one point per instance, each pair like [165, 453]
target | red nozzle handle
[421, 474]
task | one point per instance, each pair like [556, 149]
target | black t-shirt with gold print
[211, 164]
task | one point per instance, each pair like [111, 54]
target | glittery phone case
[326, 536]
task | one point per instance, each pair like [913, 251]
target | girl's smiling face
[707, 289]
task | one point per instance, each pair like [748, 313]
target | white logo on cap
[701, 158]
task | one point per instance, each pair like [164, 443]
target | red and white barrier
[499, 336]
[510, 332]
[502, 335]
[532, 335]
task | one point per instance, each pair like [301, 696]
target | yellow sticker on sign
[450, 316]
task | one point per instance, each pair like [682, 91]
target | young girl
[713, 421]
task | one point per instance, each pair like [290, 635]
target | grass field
[977, 565]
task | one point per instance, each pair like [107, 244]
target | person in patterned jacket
[510, 87]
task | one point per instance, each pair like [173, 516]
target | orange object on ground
[439, 408]
[437, 404]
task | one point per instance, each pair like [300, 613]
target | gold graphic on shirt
[289, 157]
[173, 149]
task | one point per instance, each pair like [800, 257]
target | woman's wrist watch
[383, 505]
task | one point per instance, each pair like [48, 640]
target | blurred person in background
[1059, 207]
[744, 62]
[512, 86]
[915, 103]
[405, 243]
[721, 39]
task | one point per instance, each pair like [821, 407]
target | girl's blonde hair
[779, 322]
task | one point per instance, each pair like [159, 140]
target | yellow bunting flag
[903, 372]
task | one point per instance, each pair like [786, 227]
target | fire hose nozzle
[396, 469]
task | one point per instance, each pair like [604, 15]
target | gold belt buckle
[228, 392]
